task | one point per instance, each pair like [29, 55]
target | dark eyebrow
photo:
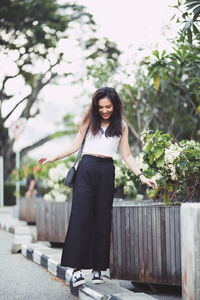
[106, 105]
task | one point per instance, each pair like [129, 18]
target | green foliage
[189, 16]
[47, 179]
[155, 145]
[30, 33]
[176, 167]
[126, 180]
[173, 91]
[37, 25]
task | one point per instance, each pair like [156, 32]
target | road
[22, 279]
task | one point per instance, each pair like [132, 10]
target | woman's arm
[75, 145]
[129, 160]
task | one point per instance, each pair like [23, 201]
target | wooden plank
[111, 258]
[132, 244]
[143, 236]
[177, 246]
[119, 244]
[149, 271]
[144, 233]
[172, 245]
[40, 220]
[168, 246]
[158, 261]
[123, 241]
[136, 252]
[114, 270]
[128, 244]
[154, 244]
[141, 244]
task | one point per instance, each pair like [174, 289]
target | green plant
[126, 181]
[58, 191]
[176, 167]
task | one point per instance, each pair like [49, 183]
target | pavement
[20, 279]
[25, 242]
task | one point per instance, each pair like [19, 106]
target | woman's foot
[77, 278]
[96, 276]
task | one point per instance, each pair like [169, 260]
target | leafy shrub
[175, 166]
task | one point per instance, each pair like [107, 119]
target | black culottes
[87, 242]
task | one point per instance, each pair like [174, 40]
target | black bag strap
[80, 150]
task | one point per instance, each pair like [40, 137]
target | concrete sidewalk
[49, 258]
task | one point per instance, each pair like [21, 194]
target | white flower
[61, 198]
[48, 197]
[174, 176]
[139, 197]
[172, 153]
[143, 134]
[157, 176]
[140, 162]
[58, 192]
[173, 171]
[56, 186]
[118, 172]
[184, 77]
[58, 173]
[50, 183]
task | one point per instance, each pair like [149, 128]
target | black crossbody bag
[70, 178]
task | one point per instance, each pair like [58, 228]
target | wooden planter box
[145, 244]
[27, 209]
[52, 220]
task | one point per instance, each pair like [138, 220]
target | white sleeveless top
[99, 144]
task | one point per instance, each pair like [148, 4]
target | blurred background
[54, 54]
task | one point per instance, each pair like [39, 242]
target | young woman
[87, 243]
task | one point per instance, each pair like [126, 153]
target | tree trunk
[6, 150]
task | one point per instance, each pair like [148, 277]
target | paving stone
[49, 258]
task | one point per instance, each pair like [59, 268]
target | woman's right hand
[44, 161]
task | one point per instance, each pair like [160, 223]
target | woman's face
[106, 108]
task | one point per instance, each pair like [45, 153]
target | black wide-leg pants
[87, 242]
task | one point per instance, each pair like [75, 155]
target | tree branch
[4, 82]
[10, 113]
[43, 141]
[39, 85]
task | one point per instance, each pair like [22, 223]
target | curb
[21, 231]
[110, 290]
[48, 258]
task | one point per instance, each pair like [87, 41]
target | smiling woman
[87, 242]
[105, 108]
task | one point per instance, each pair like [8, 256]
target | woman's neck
[105, 123]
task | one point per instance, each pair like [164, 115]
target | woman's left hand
[150, 182]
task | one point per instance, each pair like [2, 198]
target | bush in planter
[41, 173]
[176, 166]
[126, 183]
[58, 191]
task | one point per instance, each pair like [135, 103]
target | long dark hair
[94, 118]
